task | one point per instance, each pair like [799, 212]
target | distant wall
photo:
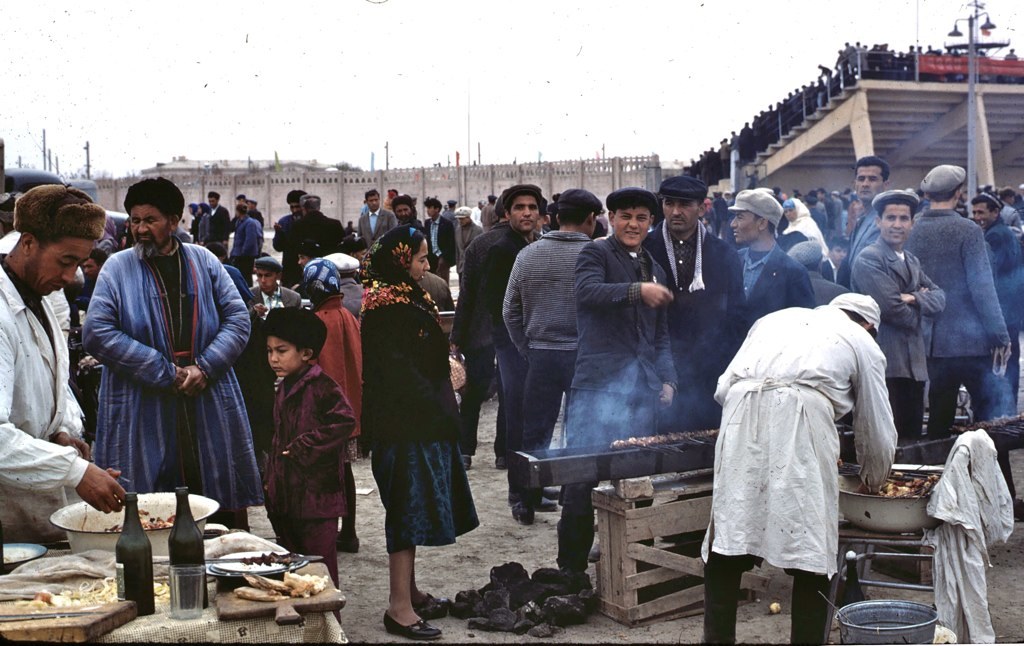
[341, 192]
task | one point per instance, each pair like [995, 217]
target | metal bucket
[887, 622]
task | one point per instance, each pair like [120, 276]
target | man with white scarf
[776, 493]
[704, 319]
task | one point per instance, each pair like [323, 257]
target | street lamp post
[972, 80]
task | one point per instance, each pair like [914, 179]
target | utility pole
[387, 156]
[57, 160]
[49, 160]
[478, 153]
[44, 148]
[88, 168]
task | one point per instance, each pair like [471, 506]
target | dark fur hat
[55, 211]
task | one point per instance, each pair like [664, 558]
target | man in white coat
[776, 492]
[41, 450]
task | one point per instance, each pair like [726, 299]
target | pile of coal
[537, 605]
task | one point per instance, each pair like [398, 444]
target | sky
[336, 81]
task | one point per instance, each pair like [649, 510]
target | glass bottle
[852, 592]
[133, 556]
[185, 543]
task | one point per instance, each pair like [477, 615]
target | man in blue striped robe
[167, 324]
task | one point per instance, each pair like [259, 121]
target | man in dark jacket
[772, 280]
[808, 254]
[283, 241]
[624, 370]
[704, 319]
[440, 234]
[314, 226]
[471, 336]
[970, 333]
[220, 220]
[523, 203]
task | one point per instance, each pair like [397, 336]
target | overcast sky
[332, 81]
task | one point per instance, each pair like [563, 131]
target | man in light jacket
[42, 455]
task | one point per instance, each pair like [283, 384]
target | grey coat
[953, 253]
[881, 274]
[386, 221]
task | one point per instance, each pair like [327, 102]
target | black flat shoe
[499, 463]
[522, 514]
[420, 631]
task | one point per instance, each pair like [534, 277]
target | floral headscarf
[320, 280]
[386, 278]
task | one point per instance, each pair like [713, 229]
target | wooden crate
[642, 578]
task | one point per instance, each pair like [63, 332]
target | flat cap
[631, 196]
[578, 199]
[759, 202]
[268, 263]
[463, 212]
[512, 192]
[683, 187]
[943, 179]
[452, 202]
[895, 197]
[859, 304]
[345, 263]
[807, 253]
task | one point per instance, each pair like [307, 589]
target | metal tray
[551, 467]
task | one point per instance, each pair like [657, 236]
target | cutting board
[67, 629]
[286, 611]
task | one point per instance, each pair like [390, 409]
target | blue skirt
[425, 492]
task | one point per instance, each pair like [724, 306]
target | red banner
[958, 65]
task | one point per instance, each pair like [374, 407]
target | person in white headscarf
[776, 494]
[800, 221]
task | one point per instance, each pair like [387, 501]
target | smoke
[627, 407]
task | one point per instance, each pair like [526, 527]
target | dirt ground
[447, 570]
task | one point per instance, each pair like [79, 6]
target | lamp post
[972, 79]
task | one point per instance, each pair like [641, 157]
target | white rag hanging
[974, 502]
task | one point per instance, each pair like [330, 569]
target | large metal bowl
[84, 525]
[882, 514]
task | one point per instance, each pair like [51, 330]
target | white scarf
[698, 275]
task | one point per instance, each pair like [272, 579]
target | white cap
[345, 263]
[865, 306]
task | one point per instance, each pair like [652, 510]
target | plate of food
[16, 554]
[239, 564]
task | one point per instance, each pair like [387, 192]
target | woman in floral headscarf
[411, 419]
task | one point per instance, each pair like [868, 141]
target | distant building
[182, 166]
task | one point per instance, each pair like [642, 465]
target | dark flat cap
[452, 202]
[943, 179]
[895, 197]
[578, 199]
[268, 263]
[631, 196]
[513, 192]
[683, 187]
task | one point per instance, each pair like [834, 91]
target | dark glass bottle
[852, 592]
[133, 558]
[185, 544]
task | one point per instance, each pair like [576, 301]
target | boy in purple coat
[305, 493]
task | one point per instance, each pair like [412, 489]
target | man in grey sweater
[969, 336]
[540, 314]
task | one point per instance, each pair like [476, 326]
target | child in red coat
[305, 492]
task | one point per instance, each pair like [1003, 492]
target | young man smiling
[905, 295]
[624, 370]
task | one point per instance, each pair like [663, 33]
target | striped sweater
[540, 305]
